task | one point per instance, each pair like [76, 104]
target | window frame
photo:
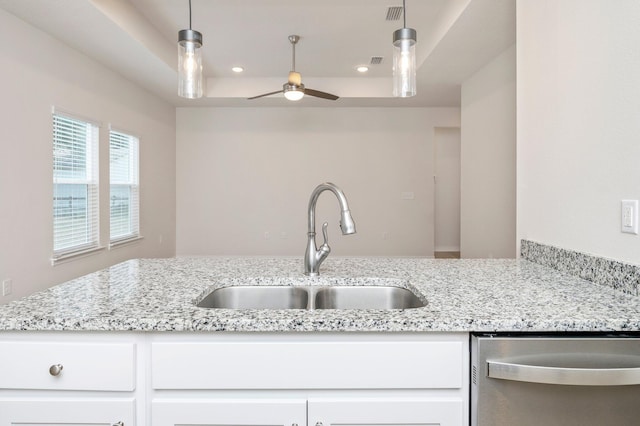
[132, 183]
[91, 180]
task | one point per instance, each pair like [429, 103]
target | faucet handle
[324, 249]
[325, 234]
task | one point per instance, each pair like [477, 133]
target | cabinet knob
[119, 424]
[55, 369]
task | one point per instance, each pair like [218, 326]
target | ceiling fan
[293, 89]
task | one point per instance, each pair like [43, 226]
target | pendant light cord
[190, 14]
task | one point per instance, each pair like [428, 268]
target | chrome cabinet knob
[55, 369]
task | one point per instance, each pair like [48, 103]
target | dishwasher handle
[563, 376]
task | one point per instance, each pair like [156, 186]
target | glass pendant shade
[190, 64]
[404, 63]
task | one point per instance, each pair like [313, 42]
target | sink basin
[257, 297]
[311, 297]
[366, 297]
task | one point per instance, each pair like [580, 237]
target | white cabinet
[385, 412]
[354, 379]
[307, 363]
[67, 379]
[229, 412]
[233, 379]
[55, 365]
[49, 411]
[313, 412]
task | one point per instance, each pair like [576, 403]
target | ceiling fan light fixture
[404, 60]
[190, 62]
[293, 92]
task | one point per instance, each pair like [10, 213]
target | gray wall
[39, 72]
[488, 152]
[243, 173]
[578, 123]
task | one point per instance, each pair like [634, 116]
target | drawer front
[67, 412]
[308, 365]
[95, 366]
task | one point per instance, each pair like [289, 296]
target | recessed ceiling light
[362, 68]
[237, 69]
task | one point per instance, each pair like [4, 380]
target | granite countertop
[462, 295]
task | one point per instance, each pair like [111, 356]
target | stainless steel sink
[311, 297]
[366, 297]
[257, 297]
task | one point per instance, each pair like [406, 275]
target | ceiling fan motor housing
[295, 78]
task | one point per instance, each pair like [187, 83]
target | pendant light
[190, 62]
[404, 59]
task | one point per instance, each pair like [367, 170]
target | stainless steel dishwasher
[567, 380]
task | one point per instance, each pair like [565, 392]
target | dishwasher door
[563, 381]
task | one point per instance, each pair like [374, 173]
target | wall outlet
[629, 217]
[7, 287]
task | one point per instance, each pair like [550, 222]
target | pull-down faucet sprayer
[313, 256]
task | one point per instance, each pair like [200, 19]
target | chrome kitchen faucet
[313, 256]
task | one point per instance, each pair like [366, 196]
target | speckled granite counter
[462, 295]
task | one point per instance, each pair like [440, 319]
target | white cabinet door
[63, 412]
[229, 412]
[387, 412]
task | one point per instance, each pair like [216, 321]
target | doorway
[446, 180]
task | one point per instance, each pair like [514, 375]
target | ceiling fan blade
[319, 94]
[266, 94]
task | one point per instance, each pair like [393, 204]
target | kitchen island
[128, 346]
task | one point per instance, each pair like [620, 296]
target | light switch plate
[629, 217]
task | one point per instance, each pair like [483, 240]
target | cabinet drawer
[308, 365]
[94, 366]
[70, 412]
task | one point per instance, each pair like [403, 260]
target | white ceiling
[137, 39]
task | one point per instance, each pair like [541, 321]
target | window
[124, 193]
[75, 186]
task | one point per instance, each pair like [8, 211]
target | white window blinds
[124, 188]
[75, 186]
